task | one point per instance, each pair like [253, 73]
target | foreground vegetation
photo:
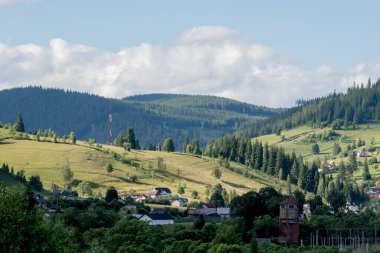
[94, 225]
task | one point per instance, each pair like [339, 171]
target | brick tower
[289, 223]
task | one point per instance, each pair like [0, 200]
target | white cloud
[202, 60]
[9, 2]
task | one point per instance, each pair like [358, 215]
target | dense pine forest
[154, 117]
[360, 104]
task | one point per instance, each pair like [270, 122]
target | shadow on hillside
[172, 175]
[234, 185]
[129, 181]
[6, 142]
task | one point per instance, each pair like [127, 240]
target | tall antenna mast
[110, 125]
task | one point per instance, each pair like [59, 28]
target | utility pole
[110, 125]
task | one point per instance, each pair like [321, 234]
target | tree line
[360, 104]
[87, 115]
[274, 161]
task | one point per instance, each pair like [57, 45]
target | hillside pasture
[88, 164]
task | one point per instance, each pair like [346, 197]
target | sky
[261, 52]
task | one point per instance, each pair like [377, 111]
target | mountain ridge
[87, 115]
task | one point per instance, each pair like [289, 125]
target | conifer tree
[185, 143]
[366, 174]
[265, 157]
[119, 141]
[19, 124]
[294, 172]
[321, 187]
[130, 138]
[168, 145]
[281, 174]
[73, 138]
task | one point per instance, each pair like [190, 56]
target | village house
[331, 164]
[362, 153]
[178, 202]
[135, 196]
[40, 200]
[159, 192]
[209, 209]
[158, 219]
[374, 196]
[131, 208]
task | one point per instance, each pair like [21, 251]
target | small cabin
[289, 221]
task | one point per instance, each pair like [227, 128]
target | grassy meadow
[295, 140]
[88, 164]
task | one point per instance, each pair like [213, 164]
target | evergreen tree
[130, 138]
[271, 161]
[196, 150]
[294, 172]
[185, 143]
[288, 183]
[335, 197]
[321, 187]
[336, 149]
[181, 190]
[36, 183]
[315, 149]
[19, 124]
[168, 145]
[119, 141]
[279, 161]
[302, 177]
[281, 174]
[73, 138]
[366, 174]
[217, 173]
[352, 161]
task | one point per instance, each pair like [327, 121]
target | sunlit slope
[88, 164]
[297, 140]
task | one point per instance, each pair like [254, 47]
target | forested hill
[205, 102]
[360, 104]
[154, 117]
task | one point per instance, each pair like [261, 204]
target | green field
[88, 164]
[295, 141]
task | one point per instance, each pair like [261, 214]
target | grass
[88, 164]
[295, 141]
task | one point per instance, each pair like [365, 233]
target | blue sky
[308, 46]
